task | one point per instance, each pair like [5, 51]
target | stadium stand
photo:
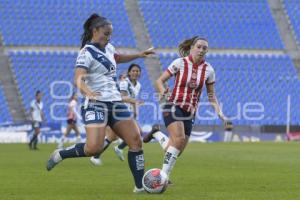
[59, 23]
[5, 115]
[52, 73]
[293, 10]
[243, 79]
[240, 78]
[249, 24]
[265, 79]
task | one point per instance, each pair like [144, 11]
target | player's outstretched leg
[58, 155]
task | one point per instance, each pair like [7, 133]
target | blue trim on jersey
[116, 81]
[101, 58]
[97, 46]
[130, 90]
[83, 67]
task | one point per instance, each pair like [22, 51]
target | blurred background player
[191, 72]
[122, 76]
[95, 77]
[228, 132]
[71, 121]
[37, 116]
[130, 88]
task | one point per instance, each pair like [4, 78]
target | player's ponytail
[94, 21]
[185, 46]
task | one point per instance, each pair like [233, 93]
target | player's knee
[180, 141]
[135, 142]
[91, 150]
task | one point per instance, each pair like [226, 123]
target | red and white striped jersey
[189, 80]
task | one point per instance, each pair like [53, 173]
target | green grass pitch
[241, 171]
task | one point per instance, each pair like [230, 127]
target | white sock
[161, 138]
[57, 158]
[170, 159]
[227, 136]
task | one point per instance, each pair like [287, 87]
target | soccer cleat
[119, 153]
[96, 161]
[149, 136]
[55, 158]
[138, 190]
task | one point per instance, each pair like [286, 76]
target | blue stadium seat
[5, 115]
[226, 24]
[59, 23]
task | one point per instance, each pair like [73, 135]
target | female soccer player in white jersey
[71, 121]
[95, 77]
[37, 116]
[123, 83]
[130, 88]
[191, 73]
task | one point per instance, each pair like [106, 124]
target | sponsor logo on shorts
[90, 115]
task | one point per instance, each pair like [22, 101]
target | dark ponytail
[94, 21]
[185, 46]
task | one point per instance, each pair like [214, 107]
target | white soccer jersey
[189, 81]
[101, 71]
[72, 110]
[131, 89]
[36, 110]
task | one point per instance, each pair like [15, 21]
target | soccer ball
[155, 181]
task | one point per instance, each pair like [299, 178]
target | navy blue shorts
[107, 113]
[36, 124]
[173, 113]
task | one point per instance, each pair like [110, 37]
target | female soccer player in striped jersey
[95, 77]
[191, 73]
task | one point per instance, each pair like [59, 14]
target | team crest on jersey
[174, 68]
[104, 61]
[194, 75]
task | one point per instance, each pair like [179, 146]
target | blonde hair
[185, 46]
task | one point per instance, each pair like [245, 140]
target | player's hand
[164, 97]
[139, 102]
[93, 95]
[147, 52]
